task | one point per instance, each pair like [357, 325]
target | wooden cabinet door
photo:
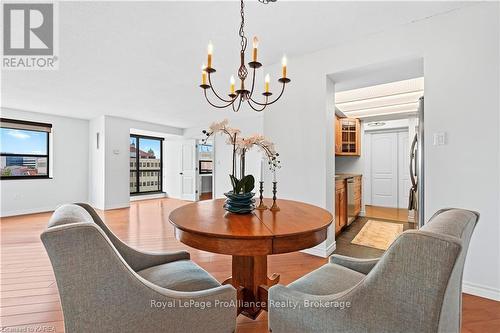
[343, 207]
[357, 195]
[337, 212]
[357, 150]
[347, 137]
[338, 136]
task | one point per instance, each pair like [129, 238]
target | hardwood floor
[206, 196]
[28, 292]
[394, 214]
[346, 248]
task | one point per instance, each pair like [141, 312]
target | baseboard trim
[148, 196]
[118, 206]
[28, 211]
[320, 251]
[481, 291]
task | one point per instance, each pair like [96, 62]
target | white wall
[461, 70]
[69, 164]
[116, 168]
[96, 162]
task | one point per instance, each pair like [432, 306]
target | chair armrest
[141, 260]
[291, 311]
[210, 310]
[363, 266]
[138, 260]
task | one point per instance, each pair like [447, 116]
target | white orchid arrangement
[241, 145]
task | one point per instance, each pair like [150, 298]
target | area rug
[378, 234]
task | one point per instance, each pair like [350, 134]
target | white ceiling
[392, 98]
[141, 60]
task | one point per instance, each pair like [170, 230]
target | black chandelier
[237, 97]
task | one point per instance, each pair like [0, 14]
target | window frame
[47, 156]
[137, 168]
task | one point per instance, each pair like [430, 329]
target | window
[24, 149]
[145, 164]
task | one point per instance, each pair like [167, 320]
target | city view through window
[24, 153]
[145, 164]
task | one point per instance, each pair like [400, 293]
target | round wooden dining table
[249, 239]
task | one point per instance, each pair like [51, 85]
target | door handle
[181, 173]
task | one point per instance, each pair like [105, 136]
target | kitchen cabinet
[347, 137]
[347, 200]
[357, 195]
[340, 205]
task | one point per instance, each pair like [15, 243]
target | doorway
[388, 180]
[205, 170]
[190, 174]
[388, 116]
[389, 163]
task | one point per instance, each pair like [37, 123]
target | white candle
[261, 170]
[274, 175]
[283, 64]
[210, 51]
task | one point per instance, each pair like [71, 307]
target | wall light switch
[439, 139]
[116, 151]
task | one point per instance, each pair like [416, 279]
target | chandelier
[238, 97]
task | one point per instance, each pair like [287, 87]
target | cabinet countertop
[344, 176]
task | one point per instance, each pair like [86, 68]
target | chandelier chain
[242, 71]
[242, 26]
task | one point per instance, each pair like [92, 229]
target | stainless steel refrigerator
[416, 198]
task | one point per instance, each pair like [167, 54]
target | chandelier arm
[239, 105]
[255, 108]
[214, 105]
[275, 100]
[215, 93]
[253, 83]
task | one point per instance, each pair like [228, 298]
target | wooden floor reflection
[29, 297]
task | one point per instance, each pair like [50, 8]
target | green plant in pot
[241, 199]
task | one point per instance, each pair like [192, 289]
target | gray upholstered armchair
[106, 286]
[416, 286]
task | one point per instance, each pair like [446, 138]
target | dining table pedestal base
[249, 277]
[249, 239]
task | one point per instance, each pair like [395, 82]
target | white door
[172, 163]
[403, 169]
[384, 169]
[189, 168]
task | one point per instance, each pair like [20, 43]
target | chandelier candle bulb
[210, 50]
[266, 80]
[203, 75]
[231, 81]
[255, 47]
[283, 64]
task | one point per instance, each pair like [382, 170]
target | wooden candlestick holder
[261, 205]
[274, 207]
